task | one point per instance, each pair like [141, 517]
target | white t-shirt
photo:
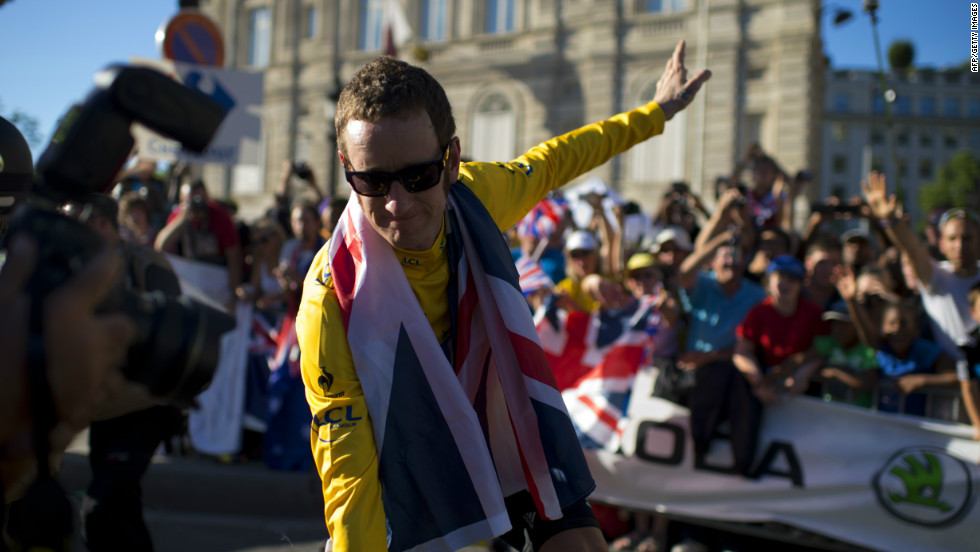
[948, 309]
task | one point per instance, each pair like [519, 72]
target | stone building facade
[934, 115]
[521, 71]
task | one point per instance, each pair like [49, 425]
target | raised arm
[884, 207]
[674, 90]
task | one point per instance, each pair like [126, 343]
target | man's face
[643, 281]
[405, 220]
[958, 243]
[304, 224]
[583, 262]
[727, 264]
[820, 266]
[784, 287]
[857, 252]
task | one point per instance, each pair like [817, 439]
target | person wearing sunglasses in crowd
[943, 286]
[437, 423]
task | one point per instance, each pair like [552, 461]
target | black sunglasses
[416, 178]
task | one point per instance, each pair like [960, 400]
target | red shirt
[775, 336]
[220, 224]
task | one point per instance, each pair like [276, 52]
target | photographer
[201, 230]
[83, 351]
[129, 427]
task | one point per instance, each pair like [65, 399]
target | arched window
[494, 129]
[661, 159]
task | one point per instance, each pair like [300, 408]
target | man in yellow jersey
[436, 420]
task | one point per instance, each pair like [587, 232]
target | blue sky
[51, 48]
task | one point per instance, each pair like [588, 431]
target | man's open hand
[674, 91]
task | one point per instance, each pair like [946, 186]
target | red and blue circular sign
[192, 37]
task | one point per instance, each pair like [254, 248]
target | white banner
[215, 426]
[883, 481]
[239, 136]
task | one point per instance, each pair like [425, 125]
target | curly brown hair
[387, 87]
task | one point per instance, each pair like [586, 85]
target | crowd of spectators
[852, 308]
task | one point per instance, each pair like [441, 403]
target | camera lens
[177, 345]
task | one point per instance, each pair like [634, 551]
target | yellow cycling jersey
[342, 438]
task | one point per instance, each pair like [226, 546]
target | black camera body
[175, 351]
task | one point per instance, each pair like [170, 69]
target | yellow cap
[640, 260]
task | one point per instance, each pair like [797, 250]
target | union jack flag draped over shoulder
[453, 439]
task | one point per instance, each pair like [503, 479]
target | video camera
[175, 352]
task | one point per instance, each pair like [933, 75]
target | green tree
[901, 54]
[27, 125]
[957, 184]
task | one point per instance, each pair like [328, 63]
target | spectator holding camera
[201, 230]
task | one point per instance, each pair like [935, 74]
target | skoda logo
[925, 486]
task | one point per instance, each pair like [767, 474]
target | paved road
[198, 504]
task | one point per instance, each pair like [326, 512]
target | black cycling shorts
[527, 525]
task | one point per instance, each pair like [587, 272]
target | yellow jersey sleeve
[510, 190]
[341, 436]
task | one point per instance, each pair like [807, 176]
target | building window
[903, 168]
[838, 164]
[876, 164]
[973, 109]
[902, 106]
[927, 106]
[432, 25]
[951, 107]
[311, 21]
[950, 141]
[925, 140]
[259, 36]
[660, 6]
[878, 105]
[925, 168]
[372, 18]
[839, 132]
[662, 161]
[841, 102]
[877, 138]
[500, 16]
[494, 129]
[903, 138]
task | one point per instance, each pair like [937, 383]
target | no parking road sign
[192, 37]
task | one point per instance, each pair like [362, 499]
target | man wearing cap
[672, 246]
[582, 259]
[772, 350]
[437, 422]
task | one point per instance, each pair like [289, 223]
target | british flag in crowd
[544, 218]
[595, 358]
